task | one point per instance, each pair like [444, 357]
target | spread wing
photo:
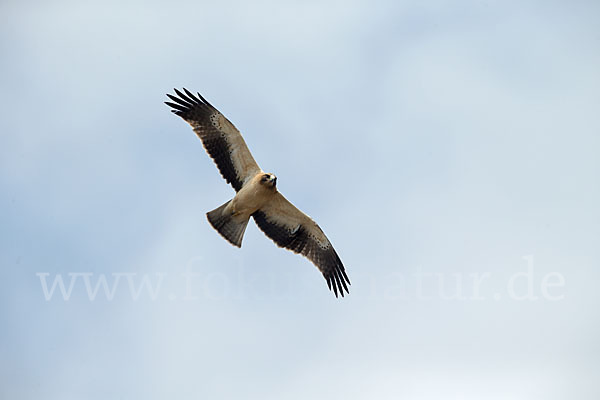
[221, 139]
[291, 228]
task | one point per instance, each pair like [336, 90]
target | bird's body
[254, 194]
[257, 195]
[231, 218]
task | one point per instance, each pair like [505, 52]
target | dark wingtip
[337, 282]
[191, 95]
[184, 97]
[185, 102]
[334, 290]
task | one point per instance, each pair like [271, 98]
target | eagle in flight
[257, 194]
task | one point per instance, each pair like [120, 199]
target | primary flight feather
[257, 194]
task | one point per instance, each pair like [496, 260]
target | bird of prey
[257, 194]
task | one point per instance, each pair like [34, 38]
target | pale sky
[448, 149]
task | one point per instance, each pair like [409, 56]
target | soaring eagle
[257, 194]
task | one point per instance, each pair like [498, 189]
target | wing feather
[221, 139]
[290, 228]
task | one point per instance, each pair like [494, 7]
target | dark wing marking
[288, 227]
[221, 139]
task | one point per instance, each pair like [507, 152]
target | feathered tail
[230, 226]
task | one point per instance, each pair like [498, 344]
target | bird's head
[269, 179]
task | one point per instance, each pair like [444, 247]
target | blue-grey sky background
[433, 141]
